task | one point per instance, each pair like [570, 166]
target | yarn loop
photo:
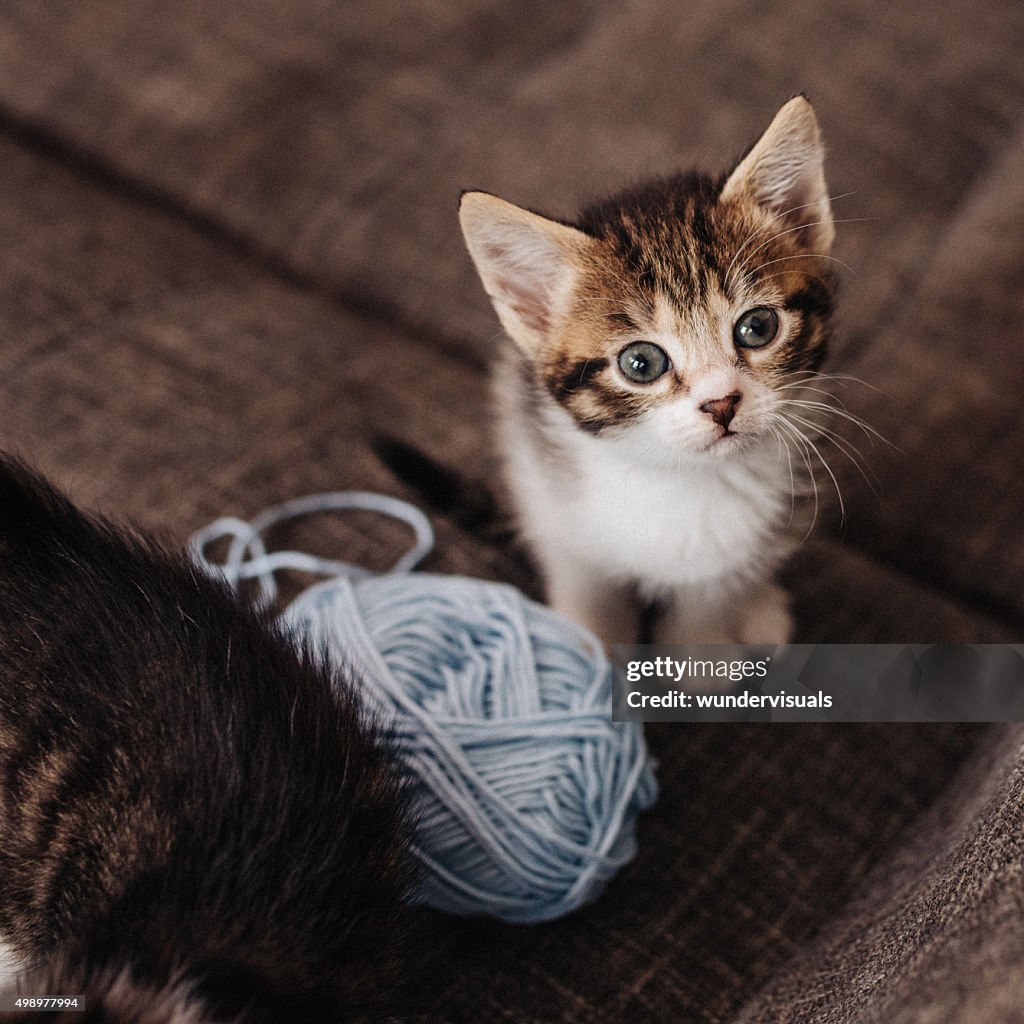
[525, 794]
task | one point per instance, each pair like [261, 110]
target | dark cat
[195, 824]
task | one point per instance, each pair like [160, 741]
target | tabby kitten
[194, 823]
[643, 405]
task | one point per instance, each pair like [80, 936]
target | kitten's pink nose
[722, 410]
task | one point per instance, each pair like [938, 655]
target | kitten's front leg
[708, 617]
[767, 619]
[607, 609]
[692, 616]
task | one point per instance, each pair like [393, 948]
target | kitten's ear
[784, 172]
[527, 264]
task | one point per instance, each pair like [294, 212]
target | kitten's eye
[643, 362]
[756, 328]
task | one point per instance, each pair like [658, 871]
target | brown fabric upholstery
[937, 933]
[230, 273]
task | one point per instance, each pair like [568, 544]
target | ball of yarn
[524, 793]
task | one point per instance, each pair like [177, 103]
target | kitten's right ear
[784, 173]
[527, 264]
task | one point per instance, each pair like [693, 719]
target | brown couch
[230, 273]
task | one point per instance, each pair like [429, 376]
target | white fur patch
[10, 966]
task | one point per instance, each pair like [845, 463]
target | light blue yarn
[525, 793]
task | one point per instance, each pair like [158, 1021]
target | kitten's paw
[675, 632]
[768, 619]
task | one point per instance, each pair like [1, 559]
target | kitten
[194, 823]
[643, 406]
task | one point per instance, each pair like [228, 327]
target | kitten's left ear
[784, 173]
[528, 264]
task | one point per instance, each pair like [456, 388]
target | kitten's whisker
[805, 206]
[868, 475]
[810, 387]
[726, 279]
[835, 402]
[843, 413]
[840, 378]
[786, 383]
[778, 234]
[805, 273]
[778, 217]
[789, 231]
[824, 462]
[784, 447]
[850, 450]
[800, 256]
[805, 455]
[803, 227]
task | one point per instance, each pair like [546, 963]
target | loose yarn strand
[247, 557]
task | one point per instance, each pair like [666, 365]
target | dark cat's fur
[194, 823]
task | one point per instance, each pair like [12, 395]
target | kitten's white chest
[659, 527]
